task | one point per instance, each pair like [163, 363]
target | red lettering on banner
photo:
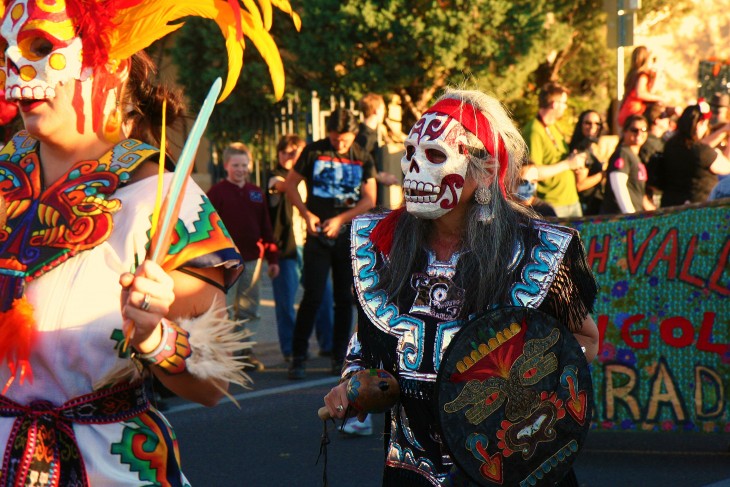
[684, 274]
[634, 258]
[668, 326]
[628, 335]
[704, 341]
[714, 283]
[602, 324]
[600, 255]
[670, 256]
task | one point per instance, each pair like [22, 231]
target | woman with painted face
[588, 178]
[460, 246]
[80, 186]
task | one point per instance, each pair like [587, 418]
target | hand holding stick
[368, 391]
[160, 239]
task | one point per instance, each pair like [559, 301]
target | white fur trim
[217, 344]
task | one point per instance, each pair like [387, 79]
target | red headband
[475, 122]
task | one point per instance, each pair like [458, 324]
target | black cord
[324, 441]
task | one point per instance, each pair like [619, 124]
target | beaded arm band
[173, 350]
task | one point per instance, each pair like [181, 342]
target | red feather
[382, 234]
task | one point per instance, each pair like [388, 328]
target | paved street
[274, 438]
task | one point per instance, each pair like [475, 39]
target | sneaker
[297, 370]
[357, 428]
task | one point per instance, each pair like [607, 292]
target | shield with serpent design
[515, 398]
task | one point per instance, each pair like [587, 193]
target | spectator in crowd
[526, 193]
[372, 107]
[242, 208]
[692, 160]
[638, 84]
[289, 235]
[340, 178]
[657, 117]
[719, 104]
[549, 152]
[719, 107]
[588, 178]
[626, 175]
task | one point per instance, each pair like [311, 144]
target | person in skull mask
[459, 246]
[75, 287]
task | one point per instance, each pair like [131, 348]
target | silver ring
[339, 408]
[145, 302]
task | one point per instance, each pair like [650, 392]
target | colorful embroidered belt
[42, 444]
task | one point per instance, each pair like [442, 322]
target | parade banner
[663, 313]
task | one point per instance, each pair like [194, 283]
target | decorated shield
[515, 398]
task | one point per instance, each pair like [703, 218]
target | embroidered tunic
[408, 334]
[73, 285]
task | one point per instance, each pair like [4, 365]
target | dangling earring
[483, 197]
[114, 121]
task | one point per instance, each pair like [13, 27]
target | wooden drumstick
[369, 391]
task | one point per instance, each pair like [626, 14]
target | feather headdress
[113, 30]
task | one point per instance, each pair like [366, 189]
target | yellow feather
[161, 170]
[266, 10]
[141, 25]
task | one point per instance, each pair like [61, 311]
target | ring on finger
[145, 306]
[339, 408]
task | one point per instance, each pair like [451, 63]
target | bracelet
[172, 351]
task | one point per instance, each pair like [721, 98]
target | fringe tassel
[218, 352]
[16, 339]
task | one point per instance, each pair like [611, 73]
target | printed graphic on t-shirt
[256, 196]
[337, 178]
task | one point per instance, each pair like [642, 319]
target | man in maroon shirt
[242, 207]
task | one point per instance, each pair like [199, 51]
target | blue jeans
[285, 287]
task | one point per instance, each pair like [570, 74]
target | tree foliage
[415, 48]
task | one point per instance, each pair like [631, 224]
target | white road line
[244, 396]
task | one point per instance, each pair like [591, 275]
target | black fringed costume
[408, 334]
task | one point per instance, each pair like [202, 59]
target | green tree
[415, 48]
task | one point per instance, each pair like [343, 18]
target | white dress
[77, 343]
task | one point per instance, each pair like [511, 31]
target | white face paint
[41, 48]
[434, 166]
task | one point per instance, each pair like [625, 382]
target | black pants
[319, 258]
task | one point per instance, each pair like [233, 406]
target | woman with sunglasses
[588, 178]
[626, 175]
[692, 160]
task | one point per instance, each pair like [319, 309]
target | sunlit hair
[288, 140]
[236, 149]
[639, 64]
[549, 93]
[490, 244]
[687, 125]
[579, 141]
[370, 103]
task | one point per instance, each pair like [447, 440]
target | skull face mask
[434, 166]
[41, 49]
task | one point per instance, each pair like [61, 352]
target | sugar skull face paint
[434, 166]
[41, 49]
